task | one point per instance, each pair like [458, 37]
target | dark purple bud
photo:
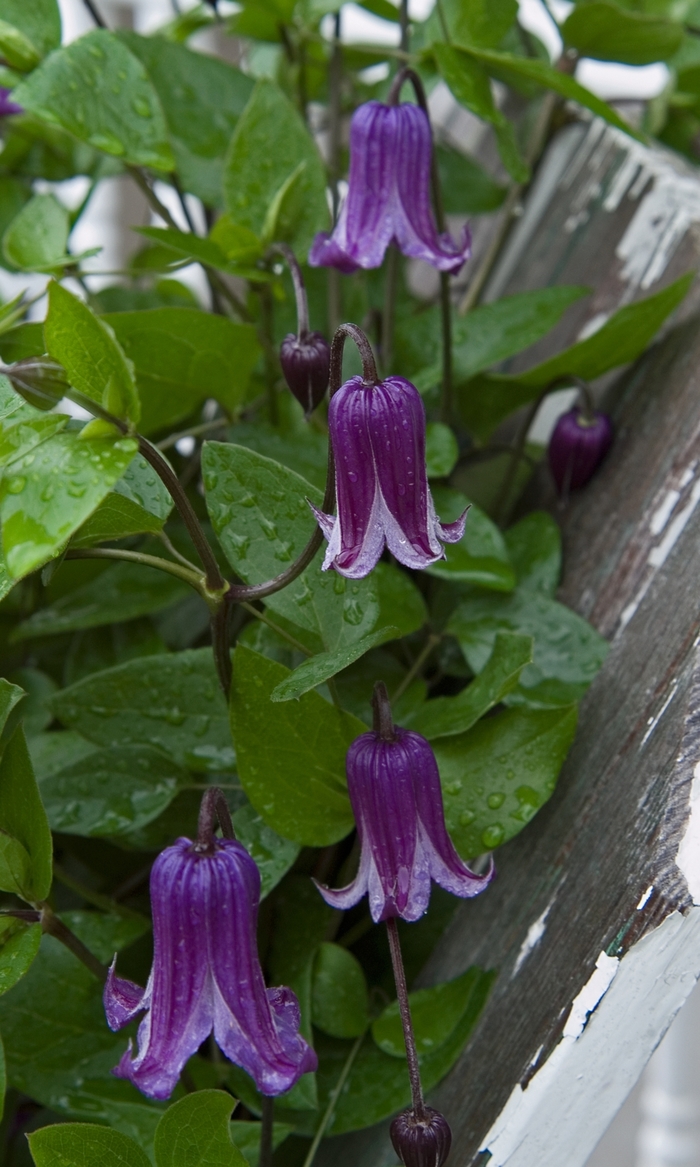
[7, 106]
[577, 446]
[388, 199]
[421, 1142]
[306, 363]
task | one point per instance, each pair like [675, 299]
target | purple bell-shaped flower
[421, 1140]
[395, 793]
[388, 199]
[579, 442]
[206, 976]
[378, 437]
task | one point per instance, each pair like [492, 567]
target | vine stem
[194, 579]
[406, 1022]
[266, 1132]
[332, 1101]
[299, 290]
[51, 924]
[94, 14]
[212, 807]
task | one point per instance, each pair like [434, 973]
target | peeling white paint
[661, 516]
[534, 934]
[654, 721]
[645, 898]
[561, 1114]
[688, 855]
[658, 555]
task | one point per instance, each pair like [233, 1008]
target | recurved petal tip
[122, 999]
[453, 532]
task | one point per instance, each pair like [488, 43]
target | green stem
[266, 1132]
[431, 643]
[192, 578]
[332, 1101]
[270, 356]
[175, 553]
[51, 924]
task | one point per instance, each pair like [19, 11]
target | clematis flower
[206, 976]
[388, 198]
[394, 789]
[7, 106]
[579, 442]
[378, 437]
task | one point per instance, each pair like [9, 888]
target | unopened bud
[421, 1142]
[39, 380]
[306, 363]
[578, 444]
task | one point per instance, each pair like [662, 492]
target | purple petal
[122, 999]
[255, 1030]
[346, 897]
[326, 252]
[451, 532]
[326, 522]
[360, 536]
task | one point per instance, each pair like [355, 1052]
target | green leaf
[568, 651]
[246, 1136]
[26, 429]
[15, 867]
[400, 601]
[122, 592]
[301, 921]
[476, 22]
[39, 688]
[607, 32]
[16, 48]
[435, 1013]
[111, 793]
[534, 546]
[140, 484]
[115, 518]
[11, 697]
[189, 246]
[378, 1084]
[441, 449]
[291, 757]
[187, 719]
[82, 1144]
[470, 85]
[445, 716]
[486, 401]
[319, 668]
[23, 818]
[480, 557]
[194, 1132]
[19, 944]
[339, 993]
[181, 357]
[98, 91]
[39, 22]
[89, 352]
[467, 189]
[263, 521]
[269, 144]
[273, 855]
[202, 99]
[497, 776]
[37, 237]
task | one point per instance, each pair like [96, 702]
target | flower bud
[39, 380]
[306, 362]
[578, 444]
[421, 1142]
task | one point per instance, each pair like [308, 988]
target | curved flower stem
[299, 290]
[266, 1132]
[405, 1010]
[50, 923]
[213, 806]
[333, 1099]
[194, 579]
[335, 76]
[369, 367]
[269, 352]
[383, 722]
[404, 23]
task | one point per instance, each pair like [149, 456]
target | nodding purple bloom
[388, 198]
[7, 106]
[394, 789]
[421, 1140]
[579, 442]
[206, 976]
[378, 437]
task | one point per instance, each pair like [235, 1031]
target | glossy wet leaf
[479, 22]
[110, 792]
[400, 601]
[259, 511]
[39, 688]
[292, 442]
[269, 144]
[273, 854]
[324, 665]
[83, 1144]
[181, 357]
[340, 1001]
[534, 546]
[15, 868]
[606, 32]
[19, 944]
[50, 494]
[116, 517]
[195, 1132]
[488, 399]
[29, 31]
[90, 353]
[435, 1012]
[481, 556]
[567, 652]
[140, 484]
[11, 699]
[25, 429]
[37, 237]
[23, 821]
[291, 757]
[98, 91]
[446, 716]
[123, 591]
[172, 702]
[441, 449]
[202, 99]
[497, 776]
